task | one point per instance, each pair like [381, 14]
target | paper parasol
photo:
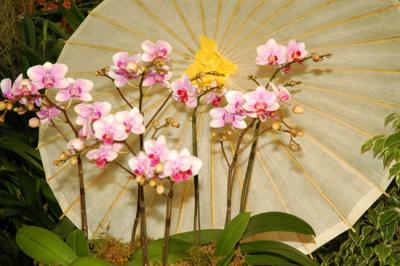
[330, 185]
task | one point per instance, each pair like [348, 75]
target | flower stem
[249, 170]
[159, 109]
[196, 215]
[82, 197]
[124, 98]
[167, 224]
[231, 174]
[142, 208]
[82, 193]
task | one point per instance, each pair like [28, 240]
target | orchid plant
[100, 135]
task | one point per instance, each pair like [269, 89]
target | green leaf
[226, 260]
[276, 221]
[390, 118]
[367, 252]
[277, 248]
[394, 170]
[29, 31]
[179, 245]
[78, 242]
[63, 228]
[231, 235]
[383, 251]
[367, 145]
[266, 259]
[378, 147]
[393, 141]
[89, 261]
[387, 217]
[387, 231]
[44, 246]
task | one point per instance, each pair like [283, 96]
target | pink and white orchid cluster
[260, 103]
[152, 63]
[272, 53]
[157, 161]
[26, 92]
[110, 130]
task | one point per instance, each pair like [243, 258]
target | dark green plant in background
[29, 35]
[376, 240]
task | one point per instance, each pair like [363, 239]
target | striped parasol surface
[329, 184]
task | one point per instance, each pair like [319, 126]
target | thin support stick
[82, 197]
[167, 224]
[196, 215]
[231, 174]
[249, 170]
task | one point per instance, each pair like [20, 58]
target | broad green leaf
[373, 216]
[231, 235]
[394, 170]
[178, 249]
[383, 251]
[367, 145]
[387, 217]
[387, 231]
[367, 252]
[63, 228]
[77, 241]
[226, 260]
[276, 221]
[89, 261]
[390, 118]
[179, 245]
[393, 141]
[44, 246]
[266, 259]
[378, 147]
[277, 248]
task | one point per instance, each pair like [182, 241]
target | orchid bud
[9, 106]
[316, 58]
[31, 107]
[155, 123]
[297, 109]
[3, 105]
[276, 126]
[34, 122]
[159, 168]
[160, 189]
[76, 144]
[63, 156]
[74, 160]
[153, 183]
[139, 178]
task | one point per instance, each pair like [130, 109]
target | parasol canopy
[345, 99]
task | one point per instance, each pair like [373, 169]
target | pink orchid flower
[6, 86]
[141, 165]
[281, 92]
[181, 166]
[235, 100]
[153, 51]
[296, 51]
[260, 103]
[49, 75]
[23, 90]
[77, 89]
[214, 99]
[89, 113]
[104, 154]
[271, 53]
[125, 68]
[156, 150]
[221, 117]
[47, 114]
[159, 76]
[132, 120]
[108, 129]
[184, 91]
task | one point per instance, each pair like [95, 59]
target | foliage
[46, 247]
[25, 197]
[376, 240]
